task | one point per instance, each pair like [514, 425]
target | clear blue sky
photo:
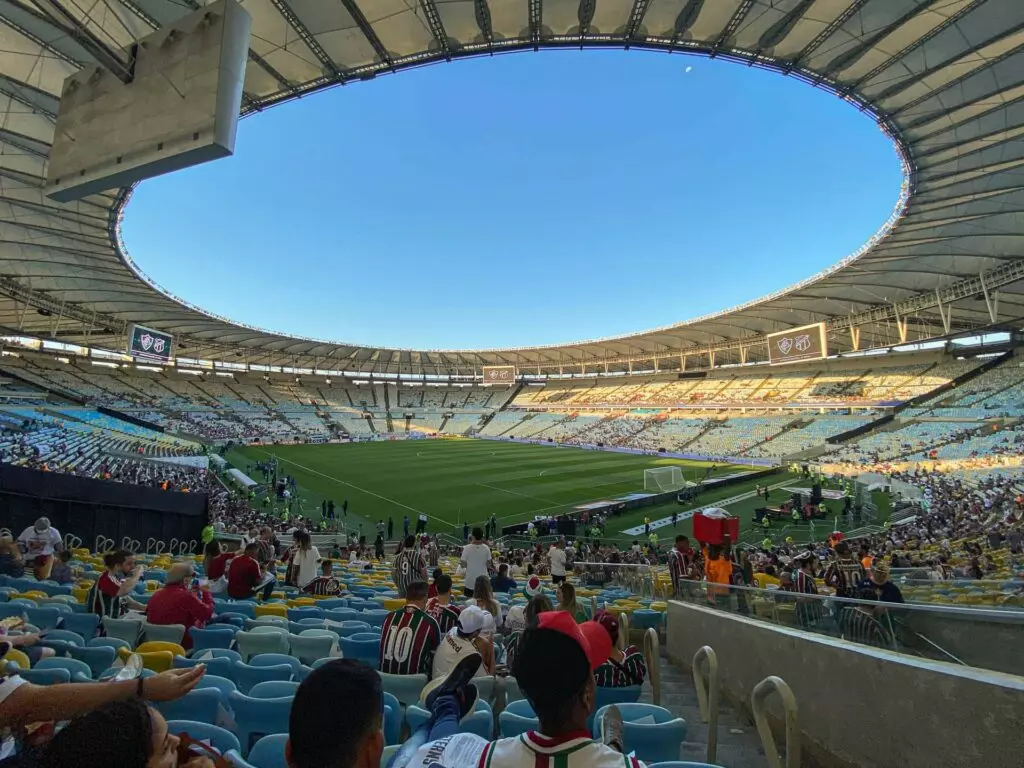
[523, 199]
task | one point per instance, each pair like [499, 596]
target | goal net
[663, 479]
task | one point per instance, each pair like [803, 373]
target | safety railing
[974, 636]
[652, 655]
[707, 694]
[761, 692]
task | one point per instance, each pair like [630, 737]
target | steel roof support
[364, 26]
[436, 27]
[636, 18]
[536, 8]
[104, 55]
[991, 300]
[734, 24]
[946, 313]
[329, 65]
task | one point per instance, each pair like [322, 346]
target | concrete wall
[861, 706]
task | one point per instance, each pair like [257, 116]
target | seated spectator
[885, 591]
[410, 653]
[567, 602]
[246, 576]
[342, 698]
[26, 643]
[109, 596]
[623, 668]
[501, 582]
[22, 702]
[483, 598]
[215, 566]
[11, 563]
[178, 603]
[445, 613]
[767, 578]
[61, 571]
[123, 733]
[516, 620]
[538, 604]
[324, 585]
[466, 639]
[555, 670]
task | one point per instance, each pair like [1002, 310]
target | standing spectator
[109, 596]
[39, 541]
[445, 613]
[391, 528]
[623, 668]
[557, 561]
[405, 526]
[885, 590]
[177, 603]
[476, 560]
[305, 557]
[844, 573]
[409, 566]
[410, 636]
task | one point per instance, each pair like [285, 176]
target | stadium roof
[944, 78]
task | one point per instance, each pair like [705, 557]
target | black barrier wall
[89, 508]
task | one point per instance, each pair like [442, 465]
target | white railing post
[652, 653]
[707, 696]
[757, 702]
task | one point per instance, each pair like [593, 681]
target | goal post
[662, 479]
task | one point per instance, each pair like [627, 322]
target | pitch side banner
[804, 343]
[499, 374]
[148, 344]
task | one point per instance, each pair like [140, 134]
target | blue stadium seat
[258, 717]
[220, 739]
[199, 704]
[653, 742]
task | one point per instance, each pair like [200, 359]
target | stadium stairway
[708, 426]
[798, 424]
[738, 743]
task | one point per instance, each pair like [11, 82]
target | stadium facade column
[855, 337]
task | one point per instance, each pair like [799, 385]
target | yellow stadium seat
[156, 646]
[392, 603]
[17, 657]
[300, 602]
[271, 609]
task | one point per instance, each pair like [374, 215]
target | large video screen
[805, 343]
[147, 344]
[499, 374]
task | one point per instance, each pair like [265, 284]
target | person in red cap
[622, 668]
[555, 670]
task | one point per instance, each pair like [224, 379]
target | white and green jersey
[530, 750]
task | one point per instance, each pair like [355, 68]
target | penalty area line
[515, 493]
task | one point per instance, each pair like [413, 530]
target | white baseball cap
[472, 619]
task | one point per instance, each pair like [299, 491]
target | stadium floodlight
[663, 479]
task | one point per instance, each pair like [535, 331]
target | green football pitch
[461, 480]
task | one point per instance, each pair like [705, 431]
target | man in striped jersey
[409, 566]
[440, 606]
[623, 668]
[410, 636]
[556, 673]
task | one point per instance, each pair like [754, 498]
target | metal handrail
[623, 640]
[757, 702]
[652, 653]
[707, 697]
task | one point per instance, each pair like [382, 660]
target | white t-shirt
[476, 557]
[37, 544]
[305, 561]
[515, 619]
[451, 651]
[557, 558]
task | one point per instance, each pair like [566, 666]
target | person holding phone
[181, 601]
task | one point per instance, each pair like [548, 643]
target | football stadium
[784, 533]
